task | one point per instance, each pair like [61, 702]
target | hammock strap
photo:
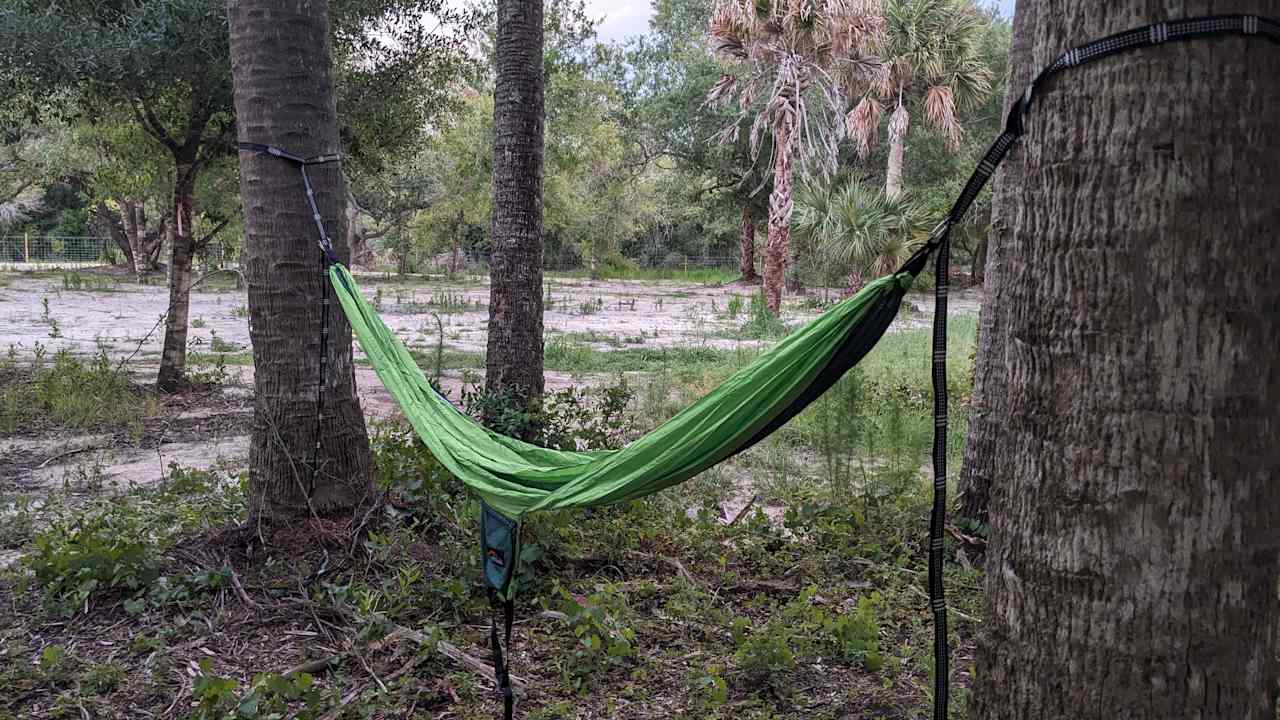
[939, 242]
[501, 661]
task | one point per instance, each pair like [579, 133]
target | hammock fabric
[516, 478]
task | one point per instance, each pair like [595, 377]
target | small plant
[377, 299]
[765, 656]
[44, 310]
[218, 345]
[604, 641]
[734, 308]
[240, 311]
[102, 679]
[55, 331]
[591, 307]
[198, 323]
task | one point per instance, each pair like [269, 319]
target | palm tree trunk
[302, 461]
[173, 357]
[747, 247]
[1133, 559]
[780, 207]
[893, 174]
[514, 361]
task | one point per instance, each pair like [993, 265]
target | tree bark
[514, 362]
[455, 257]
[747, 247]
[302, 461]
[893, 173]
[1133, 562]
[780, 207]
[986, 408]
[117, 225]
[173, 358]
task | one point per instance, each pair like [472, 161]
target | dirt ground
[212, 429]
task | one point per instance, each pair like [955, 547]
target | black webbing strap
[939, 242]
[501, 666]
[327, 257]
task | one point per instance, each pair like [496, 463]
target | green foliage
[67, 393]
[761, 324]
[114, 545]
[569, 419]
[269, 696]
[764, 657]
[852, 230]
[604, 639]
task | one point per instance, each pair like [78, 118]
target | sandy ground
[213, 431]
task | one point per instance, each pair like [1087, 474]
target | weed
[70, 393]
[604, 639]
[103, 678]
[197, 322]
[114, 546]
[734, 308]
[240, 311]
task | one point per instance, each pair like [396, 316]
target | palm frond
[940, 111]
[864, 124]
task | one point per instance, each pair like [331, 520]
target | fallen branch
[953, 611]
[743, 512]
[670, 561]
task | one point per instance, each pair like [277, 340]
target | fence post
[26, 247]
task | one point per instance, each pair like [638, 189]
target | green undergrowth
[806, 603]
[113, 547]
[66, 392]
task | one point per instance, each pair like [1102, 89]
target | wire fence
[56, 252]
[28, 253]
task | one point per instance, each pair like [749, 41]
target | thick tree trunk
[173, 358]
[986, 409]
[302, 461]
[780, 207]
[893, 173]
[514, 362]
[1133, 563]
[747, 247]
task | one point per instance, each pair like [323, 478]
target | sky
[623, 18]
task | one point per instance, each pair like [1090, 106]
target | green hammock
[515, 477]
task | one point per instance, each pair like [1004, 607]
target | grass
[67, 393]
[694, 276]
[577, 358]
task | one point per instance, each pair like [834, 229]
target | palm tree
[792, 65]
[933, 51]
[309, 451]
[859, 228]
[514, 361]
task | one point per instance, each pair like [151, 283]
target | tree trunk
[173, 358]
[893, 174]
[747, 246]
[1133, 563]
[986, 409]
[455, 258]
[780, 206]
[302, 461]
[514, 362]
[116, 224]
